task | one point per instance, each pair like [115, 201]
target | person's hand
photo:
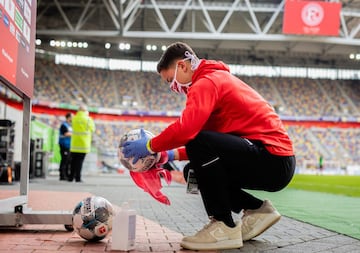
[136, 149]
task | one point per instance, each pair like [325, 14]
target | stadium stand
[295, 97]
[139, 90]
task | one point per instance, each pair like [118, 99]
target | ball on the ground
[143, 164]
[92, 218]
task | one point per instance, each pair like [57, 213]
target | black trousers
[77, 160]
[64, 169]
[225, 165]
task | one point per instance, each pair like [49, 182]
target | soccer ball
[92, 218]
[143, 164]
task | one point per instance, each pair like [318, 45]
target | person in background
[83, 128]
[65, 132]
[234, 141]
[321, 164]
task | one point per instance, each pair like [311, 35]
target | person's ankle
[228, 221]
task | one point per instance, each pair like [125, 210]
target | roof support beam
[161, 19]
[63, 15]
[227, 16]
[209, 24]
[273, 17]
[132, 12]
[81, 20]
[354, 31]
[112, 14]
[253, 17]
[180, 17]
[125, 20]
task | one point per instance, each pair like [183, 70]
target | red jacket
[220, 102]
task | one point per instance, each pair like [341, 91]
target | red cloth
[150, 180]
[218, 101]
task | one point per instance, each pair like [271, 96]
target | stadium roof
[236, 31]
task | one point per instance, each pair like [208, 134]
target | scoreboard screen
[17, 44]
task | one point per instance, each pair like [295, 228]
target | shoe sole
[227, 244]
[263, 229]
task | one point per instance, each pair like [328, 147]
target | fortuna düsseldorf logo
[312, 14]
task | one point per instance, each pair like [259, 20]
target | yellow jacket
[83, 126]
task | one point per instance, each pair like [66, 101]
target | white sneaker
[255, 222]
[214, 236]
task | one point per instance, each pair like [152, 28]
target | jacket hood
[209, 66]
[82, 113]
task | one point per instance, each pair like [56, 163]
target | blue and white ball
[92, 218]
[143, 164]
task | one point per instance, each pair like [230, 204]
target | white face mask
[182, 88]
[178, 87]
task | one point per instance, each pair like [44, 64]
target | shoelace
[212, 221]
[245, 226]
[245, 213]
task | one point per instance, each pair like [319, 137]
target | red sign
[17, 44]
[311, 17]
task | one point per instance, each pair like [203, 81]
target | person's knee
[277, 186]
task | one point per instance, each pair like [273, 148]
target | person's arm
[64, 131]
[92, 125]
[200, 103]
[178, 154]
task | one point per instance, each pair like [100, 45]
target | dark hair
[68, 115]
[173, 52]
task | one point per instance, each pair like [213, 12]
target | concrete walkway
[159, 227]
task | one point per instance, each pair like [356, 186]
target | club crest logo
[312, 14]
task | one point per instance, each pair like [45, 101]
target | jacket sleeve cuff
[182, 154]
[148, 147]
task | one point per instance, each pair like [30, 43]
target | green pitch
[343, 185]
[331, 202]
